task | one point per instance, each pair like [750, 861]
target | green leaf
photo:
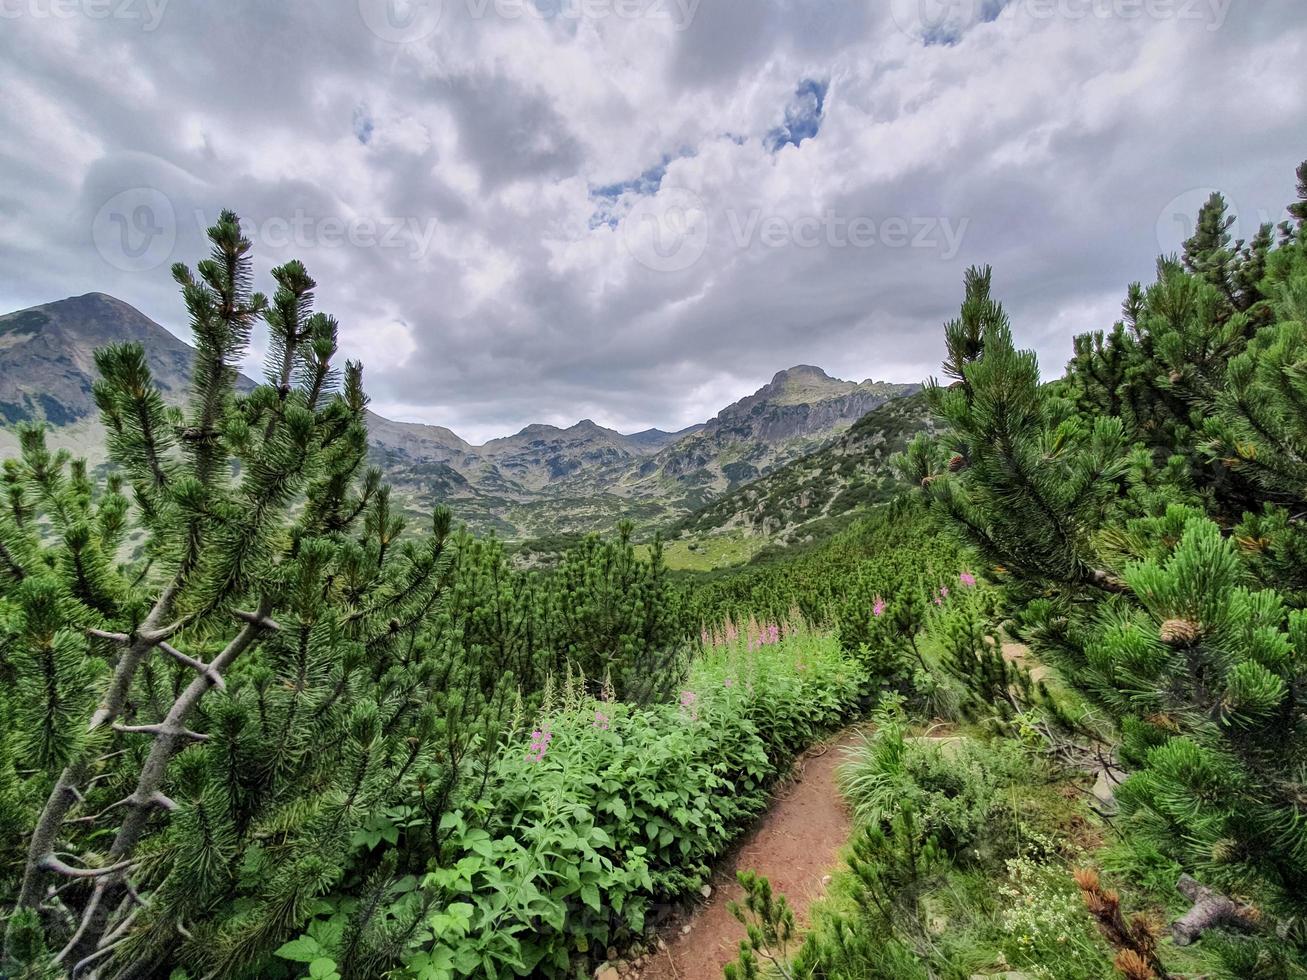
[305, 949]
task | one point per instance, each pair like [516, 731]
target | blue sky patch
[363, 124]
[646, 185]
[802, 116]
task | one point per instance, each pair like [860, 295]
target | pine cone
[957, 463]
[1180, 633]
[1225, 850]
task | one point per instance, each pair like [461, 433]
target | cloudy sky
[638, 210]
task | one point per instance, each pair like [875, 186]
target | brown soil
[796, 844]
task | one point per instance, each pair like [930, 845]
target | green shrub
[953, 787]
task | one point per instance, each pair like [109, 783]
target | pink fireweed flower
[688, 700]
[878, 609]
[967, 579]
[773, 633]
[539, 745]
[729, 682]
[601, 721]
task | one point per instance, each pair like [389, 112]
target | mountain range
[540, 481]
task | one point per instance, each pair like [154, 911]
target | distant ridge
[538, 481]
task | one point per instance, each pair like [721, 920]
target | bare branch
[168, 736]
[52, 863]
[1210, 909]
[259, 619]
[115, 637]
[160, 729]
[199, 666]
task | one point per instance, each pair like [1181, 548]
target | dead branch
[1210, 910]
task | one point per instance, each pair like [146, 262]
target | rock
[1105, 792]
[606, 972]
[661, 945]
[685, 929]
[825, 879]
[706, 891]
[623, 967]
[612, 953]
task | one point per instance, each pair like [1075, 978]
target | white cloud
[1050, 145]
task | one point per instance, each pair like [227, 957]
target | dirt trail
[796, 844]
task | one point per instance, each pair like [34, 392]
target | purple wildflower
[878, 609]
[967, 579]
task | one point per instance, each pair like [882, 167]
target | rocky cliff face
[847, 473]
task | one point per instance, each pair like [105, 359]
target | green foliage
[891, 867]
[1143, 517]
[617, 617]
[1036, 476]
[606, 810]
[951, 785]
[892, 553]
[769, 926]
[277, 691]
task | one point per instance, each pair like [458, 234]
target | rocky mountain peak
[800, 372]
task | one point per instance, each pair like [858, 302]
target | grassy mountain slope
[845, 475]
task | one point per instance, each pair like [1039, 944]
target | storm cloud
[638, 210]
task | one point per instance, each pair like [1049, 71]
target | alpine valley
[762, 466]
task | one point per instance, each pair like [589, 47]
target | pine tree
[210, 707]
[1029, 478]
[1113, 536]
[1205, 676]
[615, 616]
